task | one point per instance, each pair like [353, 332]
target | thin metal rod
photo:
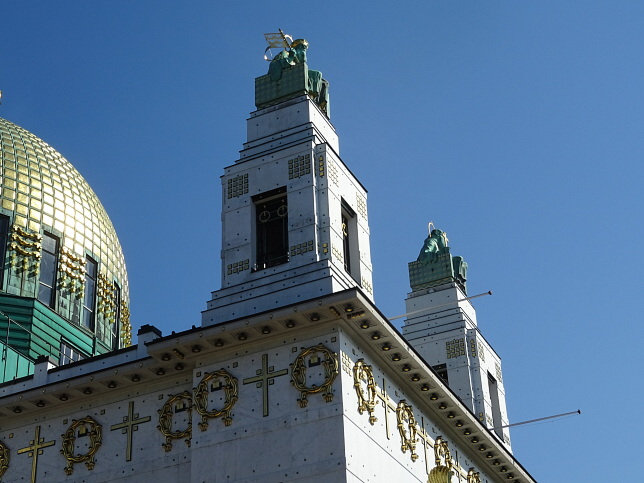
[539, 419]
[489, 292]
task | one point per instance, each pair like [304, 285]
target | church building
[294, 373]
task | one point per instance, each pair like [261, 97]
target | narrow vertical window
[89, 299]
[271, 228]
[494, 402]
[4, 235]
[346, 248]
[48, 267]
[350, 241]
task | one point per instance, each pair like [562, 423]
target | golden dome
[42, 192]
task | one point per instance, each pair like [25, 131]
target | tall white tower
[294, 217]
[441, 325]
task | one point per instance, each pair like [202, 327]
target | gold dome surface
[41, 191]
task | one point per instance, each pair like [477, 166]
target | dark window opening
[494, 402]
[346, 249]
[441, 370]
[69, 353]
[48, 267]
[350, 242]
[4, 235]
[271, 229]
[89, 298]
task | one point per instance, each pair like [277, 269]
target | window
[69, 353]
[494, 402]
[48, 267]
[271, 229]
[4, 235]
[441, 370]
[345, 243]
[89, 299]
[350, 241]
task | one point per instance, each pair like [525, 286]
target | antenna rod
[539, 419]
[489, 292]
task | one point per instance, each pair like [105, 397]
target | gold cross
[129, 425]
[265, 377]
[386, 403]
[422, 434]
[35, 449]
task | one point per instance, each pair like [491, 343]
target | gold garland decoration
[442, 473]
[298, 374]
[166, 414]
[201, 392]
[473, 476]
[4, 458]
[106, 292]
[406, 422]
[364, 372]
[126, 326]
[89, 426]
[72, 270]
[26, 244]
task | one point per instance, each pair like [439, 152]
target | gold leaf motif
[4, 458]
[166, 414]
[406, 428]
[442, 472]
[89, 426]
[473, 476]
[126, 327]
[298, 373]
[363, 372]
[228, 383]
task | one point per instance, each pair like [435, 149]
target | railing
[16, 363]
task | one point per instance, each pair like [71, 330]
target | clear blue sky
[515, 126]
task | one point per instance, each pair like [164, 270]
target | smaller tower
[441, 325]
[294, 217]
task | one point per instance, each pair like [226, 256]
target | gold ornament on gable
[407, 428]
[85, 427]
[175, 404]
[311, 357]
[366, 400]
[217, 380]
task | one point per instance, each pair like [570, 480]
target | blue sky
[515, 126]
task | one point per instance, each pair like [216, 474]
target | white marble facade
[269, 434]
[291, 146]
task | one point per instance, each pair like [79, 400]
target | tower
[294, 217]
[442, 327]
